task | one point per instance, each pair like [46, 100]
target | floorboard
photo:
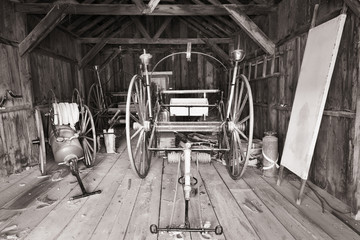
[250, 208]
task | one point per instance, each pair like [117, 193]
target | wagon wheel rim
[240, 128]
[137, 139]
[87, 135]
[97, 105]
[41, 141]
[76, 97]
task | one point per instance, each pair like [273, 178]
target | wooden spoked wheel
[76, 97]
[40, 141]
[87, 135]
[240, 128]
[97, 105]
[138, 126]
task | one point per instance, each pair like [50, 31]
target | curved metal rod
[178, 53]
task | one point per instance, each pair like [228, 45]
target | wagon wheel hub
[147, 126]
[232, 126]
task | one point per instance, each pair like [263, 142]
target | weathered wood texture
[16, 119]
[53, 66]
[333, 167]
[250, 208]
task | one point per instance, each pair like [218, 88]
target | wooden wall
[333, 167]
[51, 65]
[16, 117]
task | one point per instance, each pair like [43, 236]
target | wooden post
[301, 192]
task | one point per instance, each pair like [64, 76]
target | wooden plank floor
[34, 207]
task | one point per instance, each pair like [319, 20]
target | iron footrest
[154, 229]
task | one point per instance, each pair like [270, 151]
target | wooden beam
[110, 58]
[104, 26]
[162, 28]
[152, 5]
[251, 29]
[140, 27]
[44, 27]
[167, 41]
[218, 51]
[354, 5]
[132, 9]
[140, 5]
[197, 27]
[100, 45]
[89, 25]
[204, 23]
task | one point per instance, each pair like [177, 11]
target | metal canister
[63, 143]
[164, 116]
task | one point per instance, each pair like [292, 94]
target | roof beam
[110, 58]
[100, 45]
[253, 31]
[354, 5]
[167, 41]
[165, 23]
[132, 9]
[140, 5]
[140, 27]
[152, 5]
[43, 28]
[218, 51]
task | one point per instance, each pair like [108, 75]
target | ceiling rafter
[86, 27]
[354, 5]
[43, 28]
[223, 28]
[101, 44]
[218, 51]
[132, 9]
[114, 54]
[140, 5]
[104, 26]
[253, 31]
[152, 5]
[167, 41]
[190, 23]
[140, 27]
[162, 27]
[201, 21]
[215, 48]
[78, 22]
[220, 18]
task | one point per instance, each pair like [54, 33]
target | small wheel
[219, 230]
[97, 104]
[240, 128]
[138, 126]
[76, 97]
[41, 141]
[87, 135]
[154, 229]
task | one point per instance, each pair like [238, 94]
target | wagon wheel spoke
[241, 133]
[240, 110]
[137, 132]
[134, 118]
